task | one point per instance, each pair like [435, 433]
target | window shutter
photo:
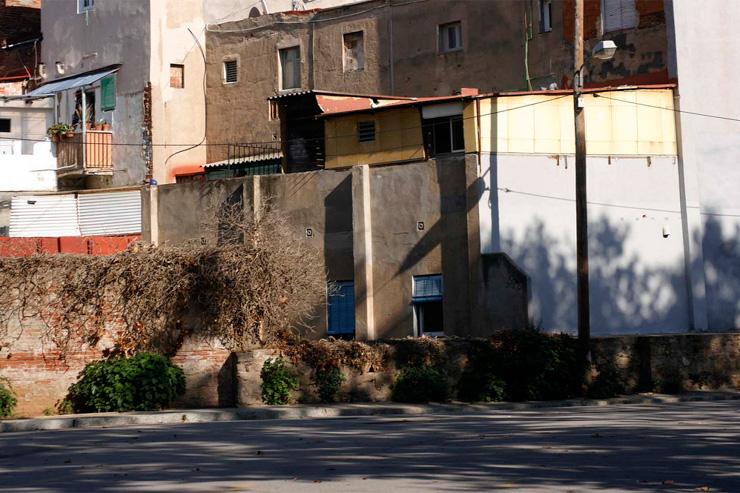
[108, 93]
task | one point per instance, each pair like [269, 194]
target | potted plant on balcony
[103, 125]
[59, 130]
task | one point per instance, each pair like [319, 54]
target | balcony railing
[93, 156]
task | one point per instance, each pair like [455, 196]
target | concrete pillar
[474, 188]
[154, 214]
[687, 128]
[362, 246]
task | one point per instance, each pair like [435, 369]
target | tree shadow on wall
[627, 296]
[721, 248]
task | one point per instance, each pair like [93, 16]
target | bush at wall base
[7, 402]
[277, 382]
[328, 382]
[420, 384]
[144, 382]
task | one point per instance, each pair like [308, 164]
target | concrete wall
[637, 282]
[702, 44]
[113, 33]
[400, 49]
[26, 165]
[641, 57]
[365, 227]
[217, 11]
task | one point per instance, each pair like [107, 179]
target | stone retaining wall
[216, 378]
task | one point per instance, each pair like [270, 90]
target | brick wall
[92, 245]
[40, 379]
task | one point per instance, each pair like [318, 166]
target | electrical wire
[308, 139]
[675, 110]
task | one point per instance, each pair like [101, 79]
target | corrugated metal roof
[111, 213]
[70, 83]
[44, 215]
[248, 159]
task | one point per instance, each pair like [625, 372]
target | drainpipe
[84, 129]
[390, 48]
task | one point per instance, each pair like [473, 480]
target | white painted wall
[26, 165]
[637, 282]
[703, 47]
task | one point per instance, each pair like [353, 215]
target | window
[427, 303]
[366, 131]
[618, 14]
[290, 68]
[231, 71]
[177, 76]
[450, 37]
[89, 109]
[444, 135]
[85, 6]
[354, 51]
[255, 12]
[341, 308]
[545, 16]
[5, 125]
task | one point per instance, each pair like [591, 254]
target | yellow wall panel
[630, 122]
[398, 137]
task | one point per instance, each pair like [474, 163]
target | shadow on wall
[626, 296]
[721, 248]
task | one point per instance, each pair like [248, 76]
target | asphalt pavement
[674, 447]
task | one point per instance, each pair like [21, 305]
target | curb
[171, 417]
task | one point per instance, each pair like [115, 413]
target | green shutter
[108, 93]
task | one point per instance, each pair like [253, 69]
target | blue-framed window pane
[427, 288]
[341, 308]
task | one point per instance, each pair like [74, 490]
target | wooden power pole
[584, 326]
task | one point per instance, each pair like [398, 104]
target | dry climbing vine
[248, 287]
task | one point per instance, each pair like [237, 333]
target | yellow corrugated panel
[629, 122]
[398, 137]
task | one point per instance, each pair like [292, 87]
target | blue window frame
[341, 308]
[426, 298]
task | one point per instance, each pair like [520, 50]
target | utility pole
[584, 325]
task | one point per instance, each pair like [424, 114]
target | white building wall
[25, 164]
[637, 282]
[703, 45]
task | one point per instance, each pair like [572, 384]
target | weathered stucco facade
[402, 54]
[152, 120]
[376, 226]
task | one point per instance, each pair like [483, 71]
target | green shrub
[477, 386]
[420, 384]
[608, 383]
[7, 402]
[520, 365]
[537, 366]
[277, 382]
[144, 382]
[328, 381]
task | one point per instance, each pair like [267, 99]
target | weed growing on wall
[278, 381]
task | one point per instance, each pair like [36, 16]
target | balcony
[93, 157]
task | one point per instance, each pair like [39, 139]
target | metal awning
[258, 158]
[70, 83]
